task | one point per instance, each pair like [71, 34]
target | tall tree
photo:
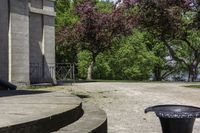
[163, 65]
[97, 29]
[171, 22]
[66, 48]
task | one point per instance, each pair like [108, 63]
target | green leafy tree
[173, 22]
[65, 15]
[66, 48]
[163, 64]
[96, 29]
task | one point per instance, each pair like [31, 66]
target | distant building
[27, 41]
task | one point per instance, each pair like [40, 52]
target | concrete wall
[4, 24]
[48, 5]
[36, 46]
[42, 41]
[19, 42]
[27, 36]
[49, 47]
[49, 37]
[37, 4]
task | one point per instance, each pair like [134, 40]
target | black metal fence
[60, 71]
[65, 71]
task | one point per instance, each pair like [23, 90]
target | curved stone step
[94, 120]
[37, 111]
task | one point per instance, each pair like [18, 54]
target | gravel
[124, 103]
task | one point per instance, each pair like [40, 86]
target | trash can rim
[175, 111]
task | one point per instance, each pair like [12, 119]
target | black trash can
[176, 118]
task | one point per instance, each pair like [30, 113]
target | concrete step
[37, 111]
[94, 120]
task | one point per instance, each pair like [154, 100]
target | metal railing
[65, 71]
[60, 71]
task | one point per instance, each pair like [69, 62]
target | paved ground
[17, 107]
[124, 103]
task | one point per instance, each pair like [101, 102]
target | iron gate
[62, 71]
[65, 71]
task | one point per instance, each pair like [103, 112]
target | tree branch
[173, 54]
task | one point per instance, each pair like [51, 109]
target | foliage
[171, 22]
[129, 61]
[84, 59]
[64, 13]
[99, 36]
[96, 29]
[66, 47]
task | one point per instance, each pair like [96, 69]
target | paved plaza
[124, 103]
[37, 111]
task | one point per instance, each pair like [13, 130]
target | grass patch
[128, 81]
[35, 87]
[193, 86]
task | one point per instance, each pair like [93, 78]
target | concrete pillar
[49, 41]
[37, 4]
[36, 46]
[4, 27]
[19, 42]
[48, 5]
[49, 48]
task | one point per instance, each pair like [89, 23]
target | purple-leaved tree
[96, 31]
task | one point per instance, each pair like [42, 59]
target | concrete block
[36, 46]
[37, 4]
[49, 47]
[19, 42]
[48, 5]
[27, 37]
[4, 24]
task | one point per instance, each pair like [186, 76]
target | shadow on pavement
[20, 92]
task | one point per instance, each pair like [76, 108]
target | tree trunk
[195, 73]
[90, 70]
[157, 73]
[192, 73]
[189, 75]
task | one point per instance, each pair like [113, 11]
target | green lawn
[193, 86]
[34, 87]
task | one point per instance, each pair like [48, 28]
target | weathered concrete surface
[124, 103]
[41, 112]
[94, 120]
[42, 41]
[36, 46]
[36, 4]
[19, 42]
[4, 39]
[49, 48]
[27, 37]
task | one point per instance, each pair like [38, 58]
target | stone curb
[94, 120]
